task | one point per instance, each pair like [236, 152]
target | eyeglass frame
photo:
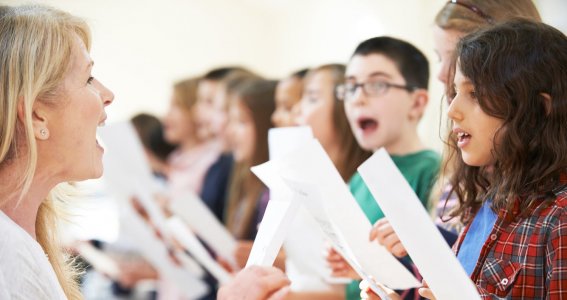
[475, 10]
[364, 86]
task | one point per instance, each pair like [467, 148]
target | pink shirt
[188, 168]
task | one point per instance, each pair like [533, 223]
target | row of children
[505, 158]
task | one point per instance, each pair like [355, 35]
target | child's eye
[90, 80]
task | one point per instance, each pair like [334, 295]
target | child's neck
[189, 144]
[406, 144]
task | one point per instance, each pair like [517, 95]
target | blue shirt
[476, 236]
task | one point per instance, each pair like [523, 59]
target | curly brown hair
[519, 71]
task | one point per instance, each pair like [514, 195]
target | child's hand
[256, 283]
[225, 264]
[367, 293]
[383, 232]
[425, 291]
[163, 203]
[339, 266]
[134, 270]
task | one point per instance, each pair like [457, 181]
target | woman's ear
[420, 100]
[38, 119]
[546, 98]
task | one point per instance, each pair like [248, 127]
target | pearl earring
[43, 132]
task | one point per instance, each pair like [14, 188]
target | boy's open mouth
[367, 124]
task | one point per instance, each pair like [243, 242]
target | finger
[426, 293]
[335, 257]
[271, 283]
[392, 241]
[280, 294]
[225, 264]
[339, 273]
[384, 231]
[399, 250]
[366, 292]
[341, 266]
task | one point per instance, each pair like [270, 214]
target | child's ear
[546, 98]
[420, 99]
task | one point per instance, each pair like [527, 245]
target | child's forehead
[363, 67]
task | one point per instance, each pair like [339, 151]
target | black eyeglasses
[346, 92]
[474, 9]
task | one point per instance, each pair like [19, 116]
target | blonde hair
[186, 93]
[460, 18]
[35, 50]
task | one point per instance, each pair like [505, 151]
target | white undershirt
[25, 271]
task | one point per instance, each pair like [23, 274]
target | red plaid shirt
[525, 258]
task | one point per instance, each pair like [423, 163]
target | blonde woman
[50, 108]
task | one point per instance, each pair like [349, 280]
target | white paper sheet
[273, 229]
[309, 195]
[281, 209]
[126, 170]
[310, 164]
[203, 222]
[190, 242]
[99, 260]
[281, 141]
[306, 265]
[304, 244]
[423, 241]
[156, 253]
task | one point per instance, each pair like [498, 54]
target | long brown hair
[245, 188]
[461, 18]
[352, 155]
[514, 67]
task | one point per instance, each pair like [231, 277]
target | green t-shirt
[420, 170]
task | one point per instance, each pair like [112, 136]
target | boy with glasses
[385, 96]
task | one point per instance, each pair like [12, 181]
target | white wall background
[142, 46]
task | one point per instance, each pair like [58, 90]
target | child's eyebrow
[380, 73]
[373, 74]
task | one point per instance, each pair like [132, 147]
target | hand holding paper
[190, 242]
[308, 194]
[416, 230]
[384, 233]
[203, 222]
[340, 266]
[311, 166]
